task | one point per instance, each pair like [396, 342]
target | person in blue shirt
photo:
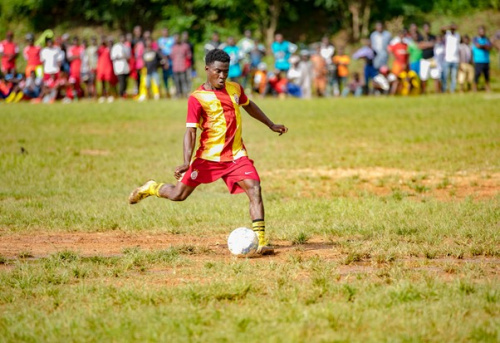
[165, 43]
[236, 55]
[282, 50]
[481, 47]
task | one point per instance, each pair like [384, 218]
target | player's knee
[178, 197]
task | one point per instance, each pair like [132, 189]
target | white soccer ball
[243, 242]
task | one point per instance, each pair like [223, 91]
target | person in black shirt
[152, 61]
[428, 66]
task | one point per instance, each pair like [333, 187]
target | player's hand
[180, 170]
[281, 129]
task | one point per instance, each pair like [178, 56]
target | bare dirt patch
[386, 181]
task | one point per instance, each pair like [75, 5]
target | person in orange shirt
[214, 109]
[341, 60]
[31, 54]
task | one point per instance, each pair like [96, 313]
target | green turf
[82, 160]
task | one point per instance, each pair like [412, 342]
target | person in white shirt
[52, 58]
[451, 57]
[327, 50]
[120, 53]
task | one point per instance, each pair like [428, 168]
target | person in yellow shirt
[341, 61]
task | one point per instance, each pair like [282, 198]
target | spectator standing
[282, 51]
[246, 45]
[327, 50]
[165, 43]
[52, 58]
[75, 61]
[181, 52]
[341, 61]
[191, 64]
[89, 67]
[138, 49]
[152, 61]
[236, 55]
[415, 54]
[380, 39]
[439, 51]
[120, 54]
[368, 54]
[481, 47]
[31, 54]
[465, 69]
[9, 52]
[496, 42]
[451, 58]
[307, 71]
[214, 43]
[399, 49]
[428, 65]
[129, 38]
[64, 45]
[320, 70]
[105, 73]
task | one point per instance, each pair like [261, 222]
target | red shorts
[203, 171]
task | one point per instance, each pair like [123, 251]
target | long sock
[156, 189]
[259, 227]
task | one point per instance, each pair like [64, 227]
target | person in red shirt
[400, 51]
[105, 73]
[75, 52]
[9, 52]
[214, 109]
[31, 54]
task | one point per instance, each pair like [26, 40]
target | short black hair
[216, 55]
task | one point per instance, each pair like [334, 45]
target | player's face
[217, 73]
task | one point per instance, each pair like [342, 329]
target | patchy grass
[404, 191]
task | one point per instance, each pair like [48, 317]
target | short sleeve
[243, 97]
[193, 113]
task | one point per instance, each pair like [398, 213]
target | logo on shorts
[248, 173]
[194, 174]
[236, 99]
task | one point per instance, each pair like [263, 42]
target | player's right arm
[189, 142]
[192, 123]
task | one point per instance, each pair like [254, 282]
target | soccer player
[214, 108]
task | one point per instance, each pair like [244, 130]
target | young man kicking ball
[214, 108]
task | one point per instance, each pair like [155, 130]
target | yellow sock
[11, 97]
[259, 227]
[156, 189]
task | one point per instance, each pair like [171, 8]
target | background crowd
[139, 66]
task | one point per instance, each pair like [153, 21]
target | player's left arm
[257, 113]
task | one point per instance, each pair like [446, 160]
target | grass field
[385, 213]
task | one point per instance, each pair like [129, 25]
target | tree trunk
[354, 8]
[365, 31]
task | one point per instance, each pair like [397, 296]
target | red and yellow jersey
[217, 114]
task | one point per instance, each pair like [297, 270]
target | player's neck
[208, 86]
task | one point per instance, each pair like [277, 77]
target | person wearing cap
[9, 52]
[306, 69]
[31, 54]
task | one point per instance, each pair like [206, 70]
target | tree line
[230, 17]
